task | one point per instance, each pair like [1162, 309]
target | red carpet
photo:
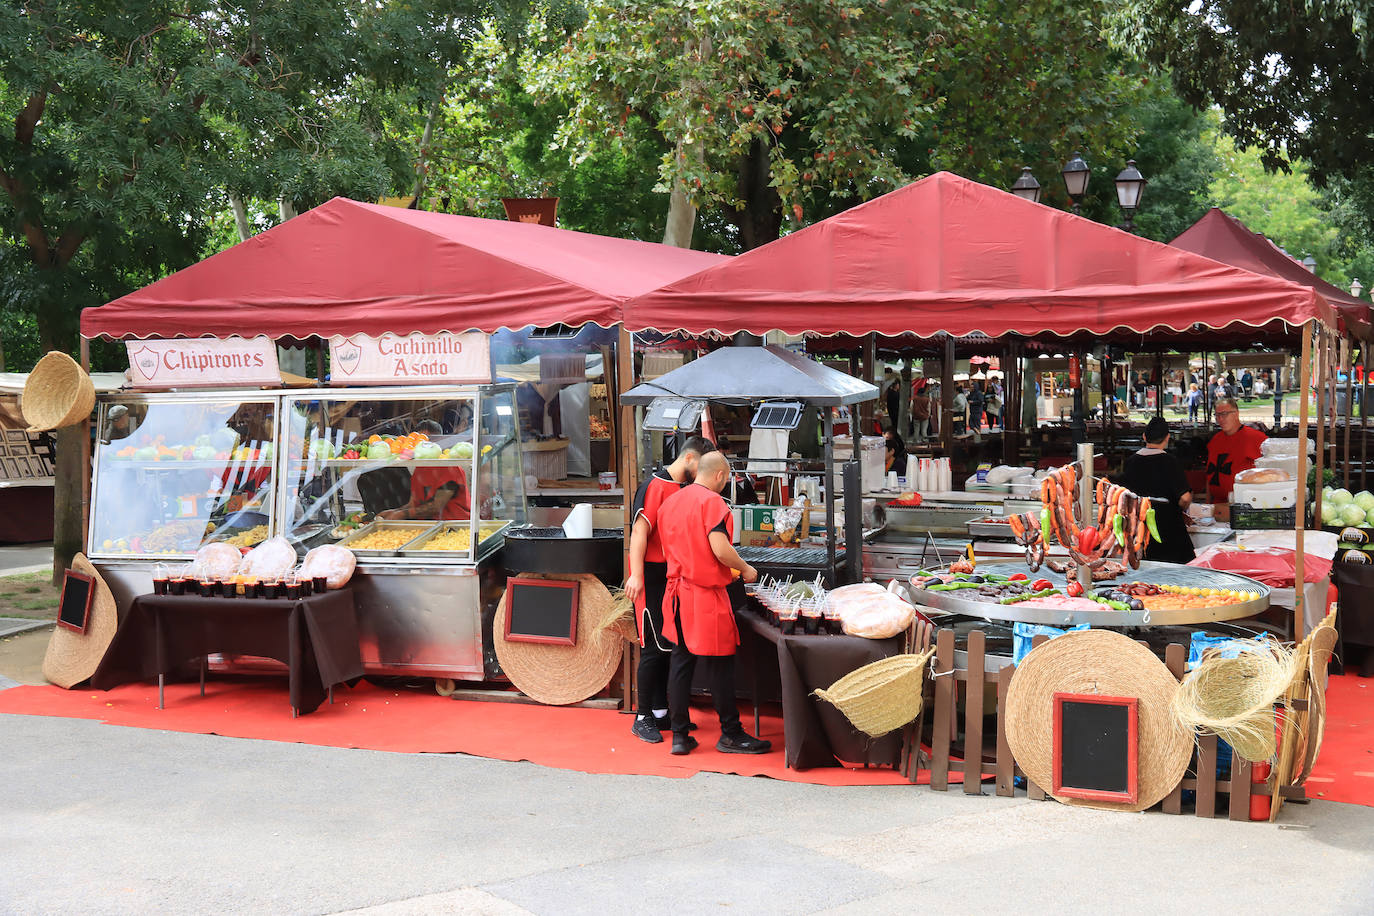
[589, 740]
[1345, 768]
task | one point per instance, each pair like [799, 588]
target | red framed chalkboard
[74, 610]
[1095, 748]
[541, 610]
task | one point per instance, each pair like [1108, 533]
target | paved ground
[22, 558]
[113, 820]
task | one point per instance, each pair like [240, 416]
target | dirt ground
[21, 657]
[29, 595]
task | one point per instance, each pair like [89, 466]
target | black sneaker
[665, 724]
[646, 729]
[742, 743]
[683, 744]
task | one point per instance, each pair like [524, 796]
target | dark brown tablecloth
[817, 734]
[316, 637]
[1355, 614]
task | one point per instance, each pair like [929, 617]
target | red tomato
[1018, 577]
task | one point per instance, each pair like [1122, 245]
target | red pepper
[1017, 577]
[1075, 590]
[1087, 540]
[1039, 585]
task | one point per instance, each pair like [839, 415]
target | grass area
[29, 595]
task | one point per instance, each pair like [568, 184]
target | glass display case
[401, 478]
[174, 472]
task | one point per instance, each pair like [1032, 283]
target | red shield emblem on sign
[346, 356]
[145, 361]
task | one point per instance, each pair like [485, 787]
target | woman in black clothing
[1152, 471]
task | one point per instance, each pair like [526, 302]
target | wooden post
[1304, 379]
[1347, 351]
[1176, 659]
[944, 701]
[86, 451]
[628, 470]
[973, 715]
[869, 359]
[947, 397]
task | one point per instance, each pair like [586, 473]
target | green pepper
[1150, 523]
[1119, 528]
[952, 586]
[1045, 524]
[996, 577]
[1114, 605]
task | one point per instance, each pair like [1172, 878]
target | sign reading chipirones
[203, 362]
[410, 359]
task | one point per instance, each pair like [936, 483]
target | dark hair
[1156, 430]
[697, 444]
[429, 427]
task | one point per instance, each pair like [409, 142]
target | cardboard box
[758, 529]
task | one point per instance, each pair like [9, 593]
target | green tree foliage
[125, 122]
[762, 107]
[1294, 79]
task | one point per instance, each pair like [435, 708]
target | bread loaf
[1263, 475]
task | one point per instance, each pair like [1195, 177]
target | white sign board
[411, 359]
[204, 362]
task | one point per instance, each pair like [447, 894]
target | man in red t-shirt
[696, 528]
[646, 582]
[1231, 450]
[435, 492]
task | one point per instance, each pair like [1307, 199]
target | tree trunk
[760, 222]
[68, 511]
[422, 162]
[682, 217]
[240, 218]
[286, 208]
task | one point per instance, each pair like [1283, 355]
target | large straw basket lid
[73, 657]
[57, 394]
[882, 696]
[1107, 663]
[559, 675]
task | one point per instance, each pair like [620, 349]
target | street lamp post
[1076, 175]
[1130, 187]
[1310, 263]
[1026, 187]
[1356, 287]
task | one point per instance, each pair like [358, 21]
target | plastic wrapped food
[217, 561]
[272, 559]
[1004, 473]
[1286, 448]
[330, 560]
[870, 610]
[1263, 475]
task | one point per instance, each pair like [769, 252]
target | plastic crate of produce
[1245, 517]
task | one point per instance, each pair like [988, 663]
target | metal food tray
[990, 526]
[426, 525]
[417, 546]
[1149, 571]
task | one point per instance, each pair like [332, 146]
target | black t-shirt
[1161, 475]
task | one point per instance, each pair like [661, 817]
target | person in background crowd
[920, 412]
[1231, 450]
[892, 392]
[993, 406]
[1154, 472]
[648, 580]
[740, 490]
[977, 398]
[1247, 383]
[960, 410]
[1194, 401]
[896, 453]
[698, 619]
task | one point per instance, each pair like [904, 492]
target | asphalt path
[103, 819]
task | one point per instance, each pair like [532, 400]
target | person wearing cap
[696, 530]
[118, 424]
[1234, 448]
[1155, 473]
[647, 581]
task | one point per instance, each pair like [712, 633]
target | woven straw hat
[882, 696]
[1108, 663]
[559, 675]
[73, 657]
[57, 393]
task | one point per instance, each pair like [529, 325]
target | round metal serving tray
[1149, 571]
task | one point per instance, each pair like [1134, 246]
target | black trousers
[653, 657]
[721, 679]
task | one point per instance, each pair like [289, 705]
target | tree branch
[27, 120]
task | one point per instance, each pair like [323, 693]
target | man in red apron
[646, 582]
[696, 531]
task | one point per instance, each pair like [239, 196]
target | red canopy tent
[946, 254]
[347, 267]
[1224, 238]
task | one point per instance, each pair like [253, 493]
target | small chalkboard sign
[78, 592]
[541, 610]
[1095, 745]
